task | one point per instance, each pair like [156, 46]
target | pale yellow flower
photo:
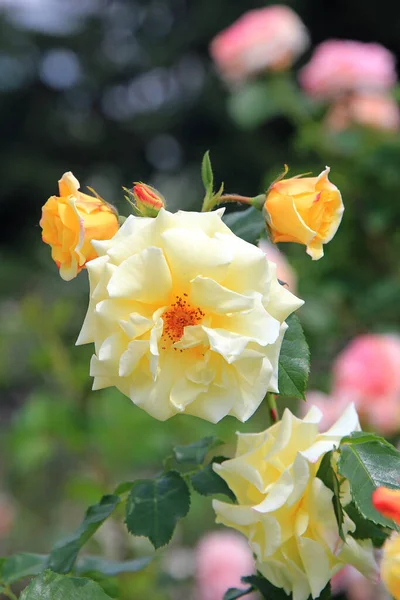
[390, 565]
[285, 511]
[185, 316]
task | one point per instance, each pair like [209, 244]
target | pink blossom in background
[267, 38]
[332, 408]
[342, 66]
[367, 372]
[355, 585]
[222, 558]
[379, 111]
[284, 271]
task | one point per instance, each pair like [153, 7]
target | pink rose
[356, 586]
[367, 372]
[341, 66]
[222, 558]
[267, 38]
[332, 408]
[284, 271]
[369, 109]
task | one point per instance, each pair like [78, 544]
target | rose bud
[148, 200]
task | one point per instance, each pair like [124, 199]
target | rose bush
[185, 317]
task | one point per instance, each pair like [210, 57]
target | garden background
[119, 92]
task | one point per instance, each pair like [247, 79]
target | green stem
[210, 203]
[273, 411]
[9, 593]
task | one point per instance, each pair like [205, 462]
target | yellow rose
[390, 565]
[185, 317]
[71, 221]
[304, 210]
[285, 511]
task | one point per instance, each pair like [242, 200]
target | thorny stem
[273, 411]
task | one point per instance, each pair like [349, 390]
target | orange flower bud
[148, 200]
[304, 210]
[71, 221]
[387, 502]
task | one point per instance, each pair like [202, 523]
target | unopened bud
[148, 200]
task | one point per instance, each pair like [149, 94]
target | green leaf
[368, 466]
[294, 361]
[247, 224]
[365, 530]
[194, 454]
[110, 568]
[64, 553]
[253, 104]
[360, 437]
[22, 565]
[234, 593]
[155, 505]
[208, 483]
[123, 487]
[51, 586]
[329, 478]
[207, 174]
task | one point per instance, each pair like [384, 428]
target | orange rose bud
[304, 210]
[71, 221]
[387, 502]
[148, 200]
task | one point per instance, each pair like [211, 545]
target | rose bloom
[367, 373]
[342, 66]
[284, 271]
[331, 407]
[185, 317]
[285, 511]
[71, 221]
[222, 558]
[267, 38]
[304, 210]
[390, 565]
[356, 587]
[378, 111]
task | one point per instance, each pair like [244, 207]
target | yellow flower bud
[71, 221]
[304, 210]
[148, 200]
[390, 565]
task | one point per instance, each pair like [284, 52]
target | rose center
[178, 316]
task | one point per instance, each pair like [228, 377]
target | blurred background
[121, 91]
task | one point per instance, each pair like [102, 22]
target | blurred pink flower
[284, 271]
[331, 407]
[379, 111]
[222, 558]
[367, 372]
[356, 586]
[267, 38]
[341, 66]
